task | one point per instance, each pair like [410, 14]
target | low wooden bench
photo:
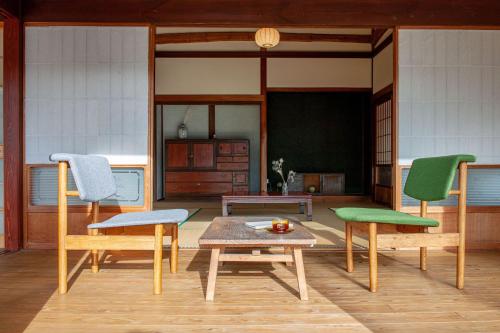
[294, 198]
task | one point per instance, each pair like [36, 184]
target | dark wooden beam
[277, 13]
[322, 89]
[244, 36]
[208, 99]
[376, 35]
[12, 127]
[260, 54]
[382, 45]
[10, 8]
[211, 121]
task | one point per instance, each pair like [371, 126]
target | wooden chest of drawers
[206, 167]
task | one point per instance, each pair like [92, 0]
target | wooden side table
[229, 232]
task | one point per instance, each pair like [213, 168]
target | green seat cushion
[431, 178]
[379, 215]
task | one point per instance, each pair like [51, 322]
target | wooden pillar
[13, 139]
[263, 123]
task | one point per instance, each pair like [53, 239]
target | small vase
[284, 189]
[182, 131]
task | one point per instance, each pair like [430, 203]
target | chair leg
[423, 255]
[348, 247]
[373, 256]
[174, 248]
[62, 228]
[462, 183]
[94, 254]
[158, 256]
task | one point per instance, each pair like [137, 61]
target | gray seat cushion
[92, 174]
[143, 218]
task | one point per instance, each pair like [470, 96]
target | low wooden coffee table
[302, 199]
[231, 232]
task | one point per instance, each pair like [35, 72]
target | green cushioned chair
[429, 179]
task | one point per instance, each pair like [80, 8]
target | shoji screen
[87, 92]
[449, 93]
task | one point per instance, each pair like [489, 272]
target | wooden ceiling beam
[276, 13]
[242, 36]
[9, 8]
[267, 54]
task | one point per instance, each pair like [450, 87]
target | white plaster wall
[87, 92]
[449, 94]
[318, 73]
[179, 76]
[383, 68]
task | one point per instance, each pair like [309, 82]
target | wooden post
[13, 131]
[62, 227]
[348, 247]
[158, 256]
[263, 123]
[372, 251]
[462, 197]
[94, 232]
[423, 250]
[174, 248]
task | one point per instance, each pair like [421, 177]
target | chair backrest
[92, 174]
[431, 178]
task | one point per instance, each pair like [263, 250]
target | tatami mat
[325, 226]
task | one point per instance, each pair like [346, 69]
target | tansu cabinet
[206, 167]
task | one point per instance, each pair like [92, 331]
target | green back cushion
[430, 179]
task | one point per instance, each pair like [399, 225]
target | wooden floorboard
[250, 297]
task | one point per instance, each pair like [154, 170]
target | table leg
[301, 207]
[222, 250]
[224, 208]
[301, 275]
[212, 274]
[309, 210]
[288, 250]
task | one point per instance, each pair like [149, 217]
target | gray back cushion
[92, 174]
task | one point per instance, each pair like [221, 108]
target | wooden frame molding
[209, 99]
[244, 36]
[382, 45]
[13, 132]
[264, 54]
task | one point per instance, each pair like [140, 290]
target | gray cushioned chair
[94, 181]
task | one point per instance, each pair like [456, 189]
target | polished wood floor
[250, 297]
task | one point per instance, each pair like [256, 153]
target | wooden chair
[95, 182]
[429, 179]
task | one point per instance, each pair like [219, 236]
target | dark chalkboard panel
[321, 132]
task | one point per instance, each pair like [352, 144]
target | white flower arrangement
[277, 167]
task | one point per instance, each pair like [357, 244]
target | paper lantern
[267, 37]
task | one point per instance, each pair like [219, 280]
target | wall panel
[87, 92]
[319, 73]
[200, 76]
[449, 94]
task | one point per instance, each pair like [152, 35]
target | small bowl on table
[281, 226]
